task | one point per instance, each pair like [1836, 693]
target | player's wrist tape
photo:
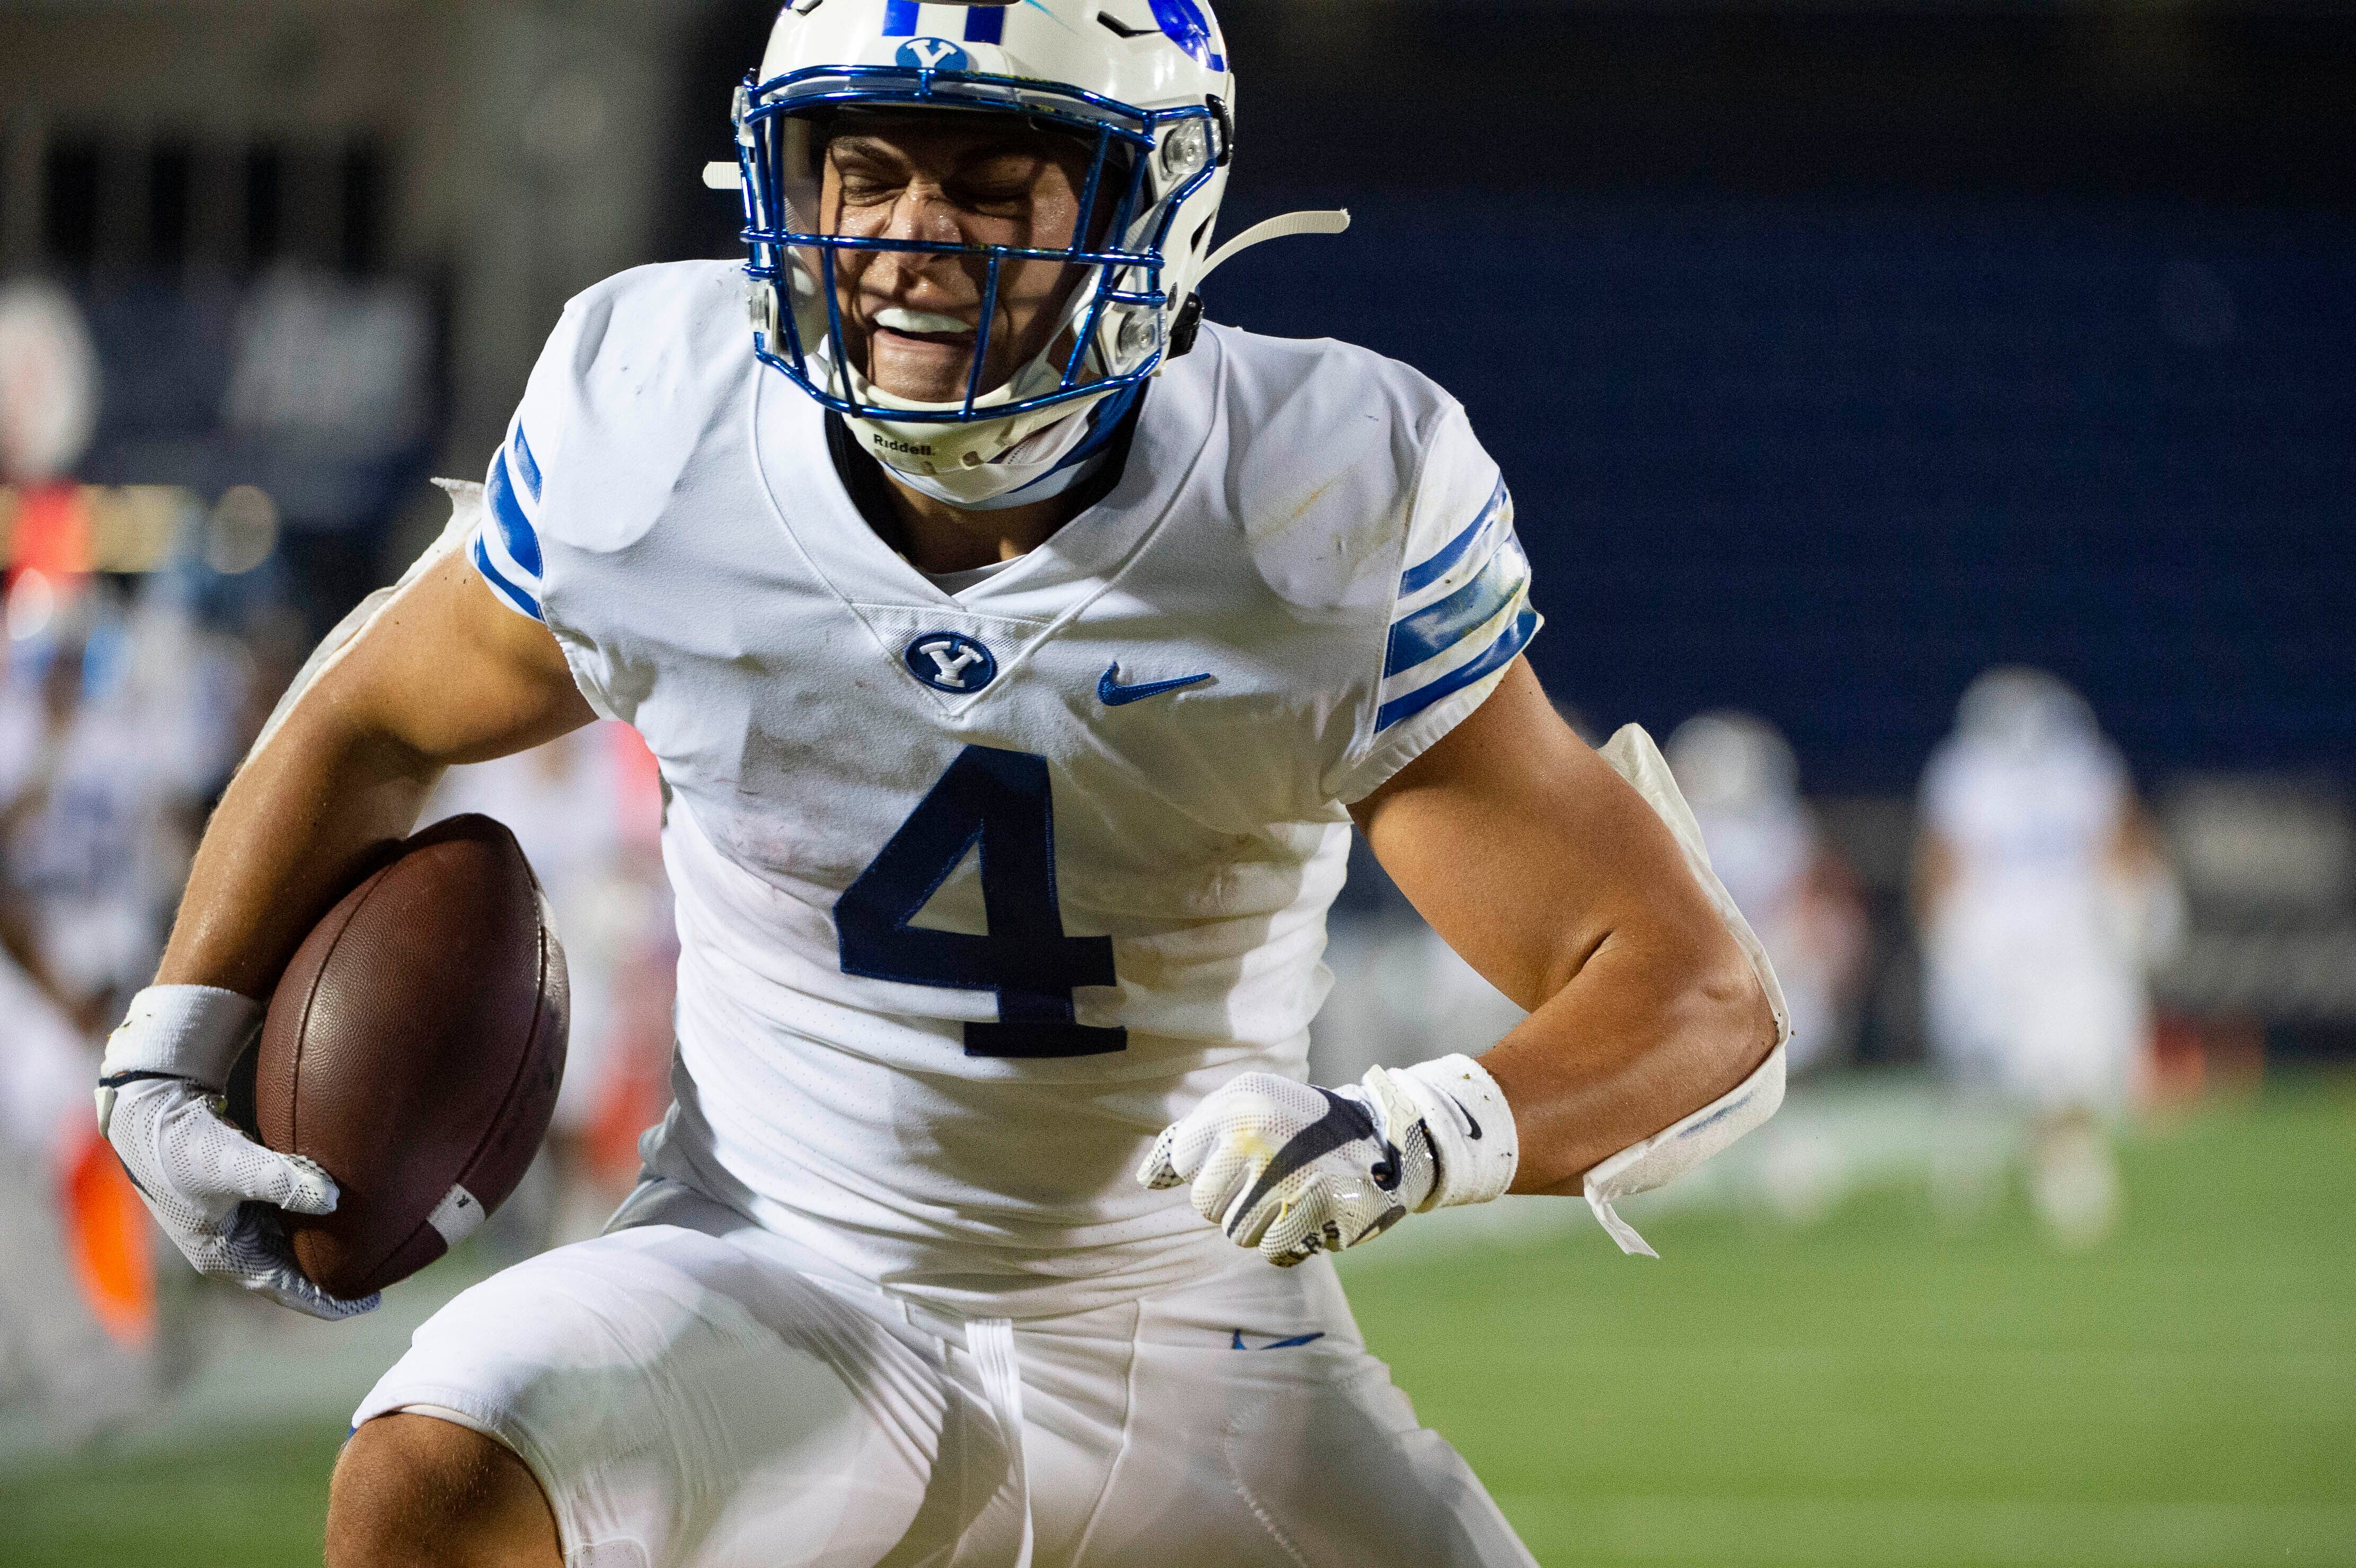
[1465, 1116]
[1677, 1149]
[196, 1032]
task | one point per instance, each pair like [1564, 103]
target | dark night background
[1834, 355]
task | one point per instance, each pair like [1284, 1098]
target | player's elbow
[1741, 1020]
[326, 733]
[1673, 1018]
[1722, 1027]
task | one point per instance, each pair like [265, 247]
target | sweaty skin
[1536, 861]
[444, 674]
[901, 179]
[414, 1491]
[1556, 881]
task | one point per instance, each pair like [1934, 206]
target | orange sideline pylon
[109, 1240]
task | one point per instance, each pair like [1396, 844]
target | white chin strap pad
[1670, 1153]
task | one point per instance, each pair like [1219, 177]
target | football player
[1742, 782]
[1018, 653]
[2042, 896]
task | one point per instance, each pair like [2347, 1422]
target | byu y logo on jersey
[934, 54]
[950, 661]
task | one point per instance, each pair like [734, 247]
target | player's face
[910, 318]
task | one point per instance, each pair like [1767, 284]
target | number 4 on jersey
[1001, 801]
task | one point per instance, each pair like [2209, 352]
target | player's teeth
[900, 320]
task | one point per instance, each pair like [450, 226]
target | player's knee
[422, 1493]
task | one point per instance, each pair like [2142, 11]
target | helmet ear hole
[1185, 327]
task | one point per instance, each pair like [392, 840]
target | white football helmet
[1734, 762]
[1143, 84]
[2020, 709]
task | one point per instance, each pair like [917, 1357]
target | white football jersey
[979, 890]
[2031, 986]
[2030, 832]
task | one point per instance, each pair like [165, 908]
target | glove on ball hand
[1294, 1170]
[216, 1192]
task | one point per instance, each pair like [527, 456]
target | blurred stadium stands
[1837, 456]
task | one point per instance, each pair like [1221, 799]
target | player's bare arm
[1653, 1039]
[1555, 879]
[441, 674]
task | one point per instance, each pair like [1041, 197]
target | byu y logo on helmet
[934, 54]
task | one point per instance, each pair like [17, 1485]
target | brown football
[414, 1048]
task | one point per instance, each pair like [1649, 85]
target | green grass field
[1881, 1387]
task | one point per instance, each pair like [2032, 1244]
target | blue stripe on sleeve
[900, 19]
[497, 579]
[1429, 572]
[515, 529]
[985, 25]
[1434, 629]
[526, 465]
[1501, 653]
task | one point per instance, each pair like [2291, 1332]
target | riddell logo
[888, 444]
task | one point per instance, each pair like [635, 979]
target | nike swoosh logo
[1344, 1122]
[1471, 1127]
[1113, 694]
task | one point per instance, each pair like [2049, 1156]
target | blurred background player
[1794, 886]
[86, 875]
[2042, 901]
[1743, 783]
[141, 711]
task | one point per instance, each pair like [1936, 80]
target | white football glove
[1294, 1170]
[215, 1191]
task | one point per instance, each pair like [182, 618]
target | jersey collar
[1013, 611]
[869, 489]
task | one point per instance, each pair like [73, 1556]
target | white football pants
[696, 1392]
